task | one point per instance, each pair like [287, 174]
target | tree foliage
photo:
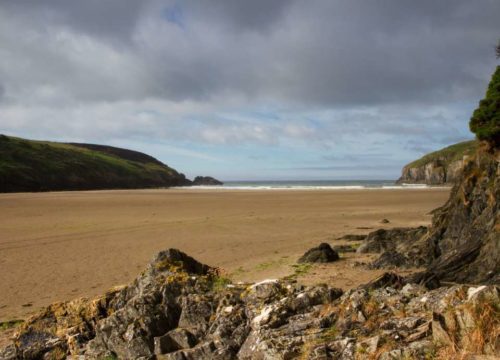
[485, 121]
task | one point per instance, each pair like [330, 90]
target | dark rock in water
[353, 237]
[321, 254]
[175, 311]
[384, 221]
[206, 180]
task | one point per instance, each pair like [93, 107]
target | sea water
[313, 185]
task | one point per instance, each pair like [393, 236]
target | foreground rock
[465, 235]
[181, 309]
[206, 180]
[321, 254]
[389, 240]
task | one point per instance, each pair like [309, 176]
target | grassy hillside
[28, 165]
[448, 154]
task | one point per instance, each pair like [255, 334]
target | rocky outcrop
[463, 243]
[321, 254]
[179, 308]
[440, 167]
[391, 239]
[465, 235]
[206, 181]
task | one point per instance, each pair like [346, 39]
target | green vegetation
[271, 264]
[299, 270]
[219, 283]
[485, 121]
[330, 333]
[111, 357]
[27, 165]
[5, 325]
[448, 154]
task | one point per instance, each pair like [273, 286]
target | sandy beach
[61, 245]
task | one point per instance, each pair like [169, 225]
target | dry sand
[61, 245]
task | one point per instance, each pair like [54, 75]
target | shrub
[485, 121]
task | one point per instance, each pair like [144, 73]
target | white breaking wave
[305, 187]
[276, 187]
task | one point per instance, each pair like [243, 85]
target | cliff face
[465, 234]
[440, 167]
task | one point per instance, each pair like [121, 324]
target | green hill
[449, 154]
[29, 165]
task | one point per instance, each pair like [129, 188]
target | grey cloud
[111, 18]
[257, 15]
[322, 54]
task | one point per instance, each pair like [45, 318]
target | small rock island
[206, 180]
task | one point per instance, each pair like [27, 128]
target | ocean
[314, 185]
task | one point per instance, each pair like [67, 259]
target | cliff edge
[440, 167]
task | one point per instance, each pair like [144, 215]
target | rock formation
[440, 167]
[464, 239]
[179, 308]
[206, 180]
[463, 243]
[390, 240]
[320, 254]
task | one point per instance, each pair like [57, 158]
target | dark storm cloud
[322, 54]
[257, 15]
[108, 18]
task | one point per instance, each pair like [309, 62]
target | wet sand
[61, 245]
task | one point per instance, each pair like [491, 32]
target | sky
[249, 90]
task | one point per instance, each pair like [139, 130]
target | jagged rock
[464, 240]
[439, 334]
[174, 340]
[463, 243]
[389, 258]
[368, 346]
[173, 310]
[321, 254]
[388, 279]
[391, 240]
